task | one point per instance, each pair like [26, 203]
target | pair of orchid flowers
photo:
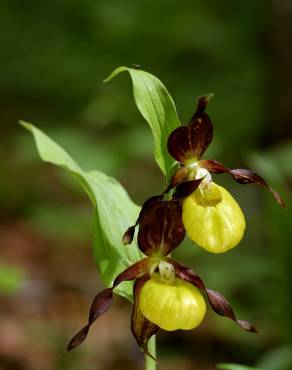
[167, 295]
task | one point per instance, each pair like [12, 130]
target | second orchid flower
[211, 216]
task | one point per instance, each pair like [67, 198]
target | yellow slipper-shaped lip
[172, 306]
[214, 222]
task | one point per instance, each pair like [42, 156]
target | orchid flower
[211, 216]
[167, 295]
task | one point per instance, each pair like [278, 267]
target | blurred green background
[53, 58]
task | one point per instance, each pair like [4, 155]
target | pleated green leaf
[114, 211]
[157, 107]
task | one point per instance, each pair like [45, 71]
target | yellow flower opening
[213, 219]
[174, 306]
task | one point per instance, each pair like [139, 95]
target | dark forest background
[53, 58]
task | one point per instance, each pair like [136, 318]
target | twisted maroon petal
[99, 306]
[242, 176]
[142, 328]
[218, 303]
[103, 300]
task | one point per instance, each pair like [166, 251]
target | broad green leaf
[157, 107]
[114, 211]
[235, 367]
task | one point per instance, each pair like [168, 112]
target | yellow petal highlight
[213, 219]
[172, 307]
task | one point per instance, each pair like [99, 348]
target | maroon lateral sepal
[213, 166]
[186, 188]
[242, 176]
[161, 228]
[222, 307]
[142, 328]
[103, 300]
[78, 338]
[134, 271]
[99, 306]
[218, 303]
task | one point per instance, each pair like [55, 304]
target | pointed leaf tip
[158, 109]
[24, 124]
[114, 73]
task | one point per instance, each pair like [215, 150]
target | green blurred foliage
[235, 367]
[11, 279]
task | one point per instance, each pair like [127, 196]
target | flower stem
[150, 364]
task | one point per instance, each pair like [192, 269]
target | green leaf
[235, 367]
[157, 107]
[277, 359]
[114, 211]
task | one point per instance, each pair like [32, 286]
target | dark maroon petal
[161, 228]
[99, 306]
[213, 166]
[242, 176]
[129, 235]
[222, 307]
[190, 142]
[180, 144]
[186, 188]
[201, 106]
[218, 303]
[103, 300]
[134, 271]
[78, 338]
[142, 328]
[148, 205]
[187, 274]
[179, 176]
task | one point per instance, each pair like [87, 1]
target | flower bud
[174, 306]
[213, 219]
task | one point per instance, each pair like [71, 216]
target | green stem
[150, 364]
